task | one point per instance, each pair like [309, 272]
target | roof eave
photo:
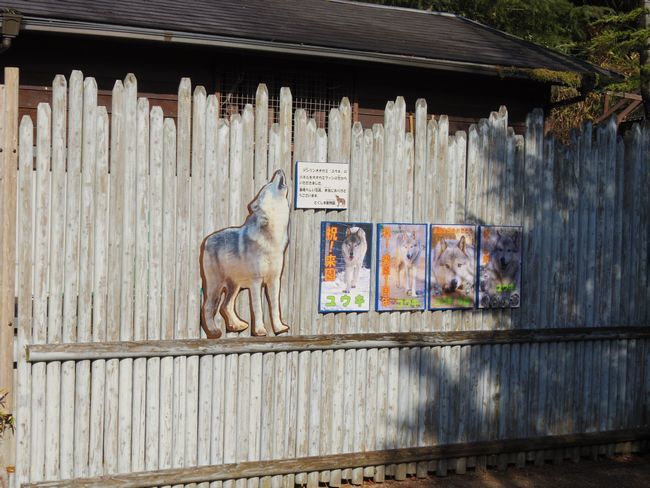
[84, 28]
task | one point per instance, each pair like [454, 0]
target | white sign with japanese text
[322, 185]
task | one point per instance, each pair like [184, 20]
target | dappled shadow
[584, 213]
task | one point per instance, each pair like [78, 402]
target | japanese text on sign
[322, 185]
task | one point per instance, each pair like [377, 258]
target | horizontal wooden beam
[201, 347]
[252, 469]
[631, 96]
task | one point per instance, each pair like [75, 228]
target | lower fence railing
[254, 469]
[466, 399]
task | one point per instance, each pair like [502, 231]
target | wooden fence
[105, 217]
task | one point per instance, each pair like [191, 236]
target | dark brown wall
[159, 67]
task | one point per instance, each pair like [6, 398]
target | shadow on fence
[123, 246]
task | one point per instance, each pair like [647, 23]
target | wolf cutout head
[272, 198]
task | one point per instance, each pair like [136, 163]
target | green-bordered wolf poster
[452, 275]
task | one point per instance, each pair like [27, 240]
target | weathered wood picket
[104, 209]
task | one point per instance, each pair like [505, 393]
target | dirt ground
[614, 472]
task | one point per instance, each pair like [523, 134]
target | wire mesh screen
[315, 94]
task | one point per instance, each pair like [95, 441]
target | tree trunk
[645, 61]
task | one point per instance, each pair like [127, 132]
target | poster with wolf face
[499, 278]
[346, 257]
[452, 275]
[401, 267]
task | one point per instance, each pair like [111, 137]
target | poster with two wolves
[499, 274]
[462, 270]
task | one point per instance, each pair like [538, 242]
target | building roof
[332, 28]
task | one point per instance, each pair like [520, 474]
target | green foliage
[552, 23]
[6, 419]
[606, 33]
[615, 42]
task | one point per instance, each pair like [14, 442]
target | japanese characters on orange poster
[346, 256]
[500, 266]
[401, 267]
[453, 267]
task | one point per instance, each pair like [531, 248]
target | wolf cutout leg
[273, 296]
[258, 314]
[233, 323]
[211, 297]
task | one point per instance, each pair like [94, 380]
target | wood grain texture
[9, 134]
[110, 332]
[124, 349]
[24, 291]
[98, 368]
[56, 273]
[40, 286]
[71, 282]
[283, 466]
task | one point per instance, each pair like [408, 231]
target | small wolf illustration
[408, 253]
[354, 249]
[454, 266]
[340, 201]
[505, 260]
[250, 256]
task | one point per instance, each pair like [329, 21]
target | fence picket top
[9, 93]
[101, 228]
[197, 208]
[261, 135]
[42, 222]
[472, 174]
[142, 183]
[642, 179]
[300, 225]
[129, 210]
[168, 228]
[308, 292]
[86, 261]
[285, 122]
[156, 225]
[346, 121]
[71, 283]
[368, 142]
[409, 160]
[57, 242]
[24, 284]
[211, 163]
[420, 158]
[377, 171]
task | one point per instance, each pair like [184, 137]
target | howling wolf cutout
[250, 256]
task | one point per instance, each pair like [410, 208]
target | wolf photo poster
[401, 267]
[452, 276]
[346, 256]
[500, 266]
